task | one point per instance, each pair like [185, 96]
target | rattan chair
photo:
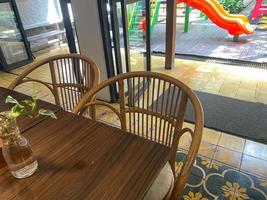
[67, 76]
[153, 106]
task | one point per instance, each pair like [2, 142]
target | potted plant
[16, 149]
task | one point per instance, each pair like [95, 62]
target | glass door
[125, 26]
[126, 34]
[138, 33]
[14, 48]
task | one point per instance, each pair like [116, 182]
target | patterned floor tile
[214, 180]
[217, 186]
[220, 184]
[251, 187]
[195, 192]
[199, 169]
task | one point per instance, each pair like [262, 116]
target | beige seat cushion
[162, 185]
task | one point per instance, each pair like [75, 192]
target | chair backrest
[68, 77]
[153, 106]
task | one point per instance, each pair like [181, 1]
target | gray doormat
[241, 118]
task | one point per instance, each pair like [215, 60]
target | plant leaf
[47, 113]
[10, 99]
[29, 102]
[12, 115]
[18, 108]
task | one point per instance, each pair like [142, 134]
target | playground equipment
[260, 9]
[136, 22]
[234, 24]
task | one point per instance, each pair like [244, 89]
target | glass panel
[158, 33]
[136, 15]
[122, 47]
[11, 42]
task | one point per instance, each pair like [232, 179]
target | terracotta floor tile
[228, 157]
[235, 77]
[248, 84]
[214, 89]
[261, 96]
[246, 94]
[229, 91]
[255, 149]
[262, 84]
[231, 84]
[211, 136]
[254, 165]
[196, 84]
[217, 79]
[232, 142]
[206, 149]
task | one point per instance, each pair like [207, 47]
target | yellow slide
[234, 24]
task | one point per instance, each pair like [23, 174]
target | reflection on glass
[120, 27]
[11, 43]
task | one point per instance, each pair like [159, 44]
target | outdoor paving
[206, 39]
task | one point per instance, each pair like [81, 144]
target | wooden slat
[160, 88]
[83, 159]
[63, 85]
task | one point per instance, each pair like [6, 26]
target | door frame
[110, 26]
[68, 25]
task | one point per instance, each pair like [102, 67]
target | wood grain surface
[83, 159]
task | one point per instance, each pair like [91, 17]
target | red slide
[234, 24]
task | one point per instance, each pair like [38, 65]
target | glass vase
[16, 150]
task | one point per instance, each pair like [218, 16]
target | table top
[84, 159]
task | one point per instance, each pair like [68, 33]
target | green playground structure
[136, 19]
[188, 9]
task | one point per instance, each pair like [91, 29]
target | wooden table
[83, 159]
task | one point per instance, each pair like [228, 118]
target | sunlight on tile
[206, 149]
[256, 149]
[211, 136]
[255, 165]
[232, 142]
[228, 157]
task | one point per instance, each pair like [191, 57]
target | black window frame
[4, 65]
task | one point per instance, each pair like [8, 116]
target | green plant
[26, 108]
[233, 6]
